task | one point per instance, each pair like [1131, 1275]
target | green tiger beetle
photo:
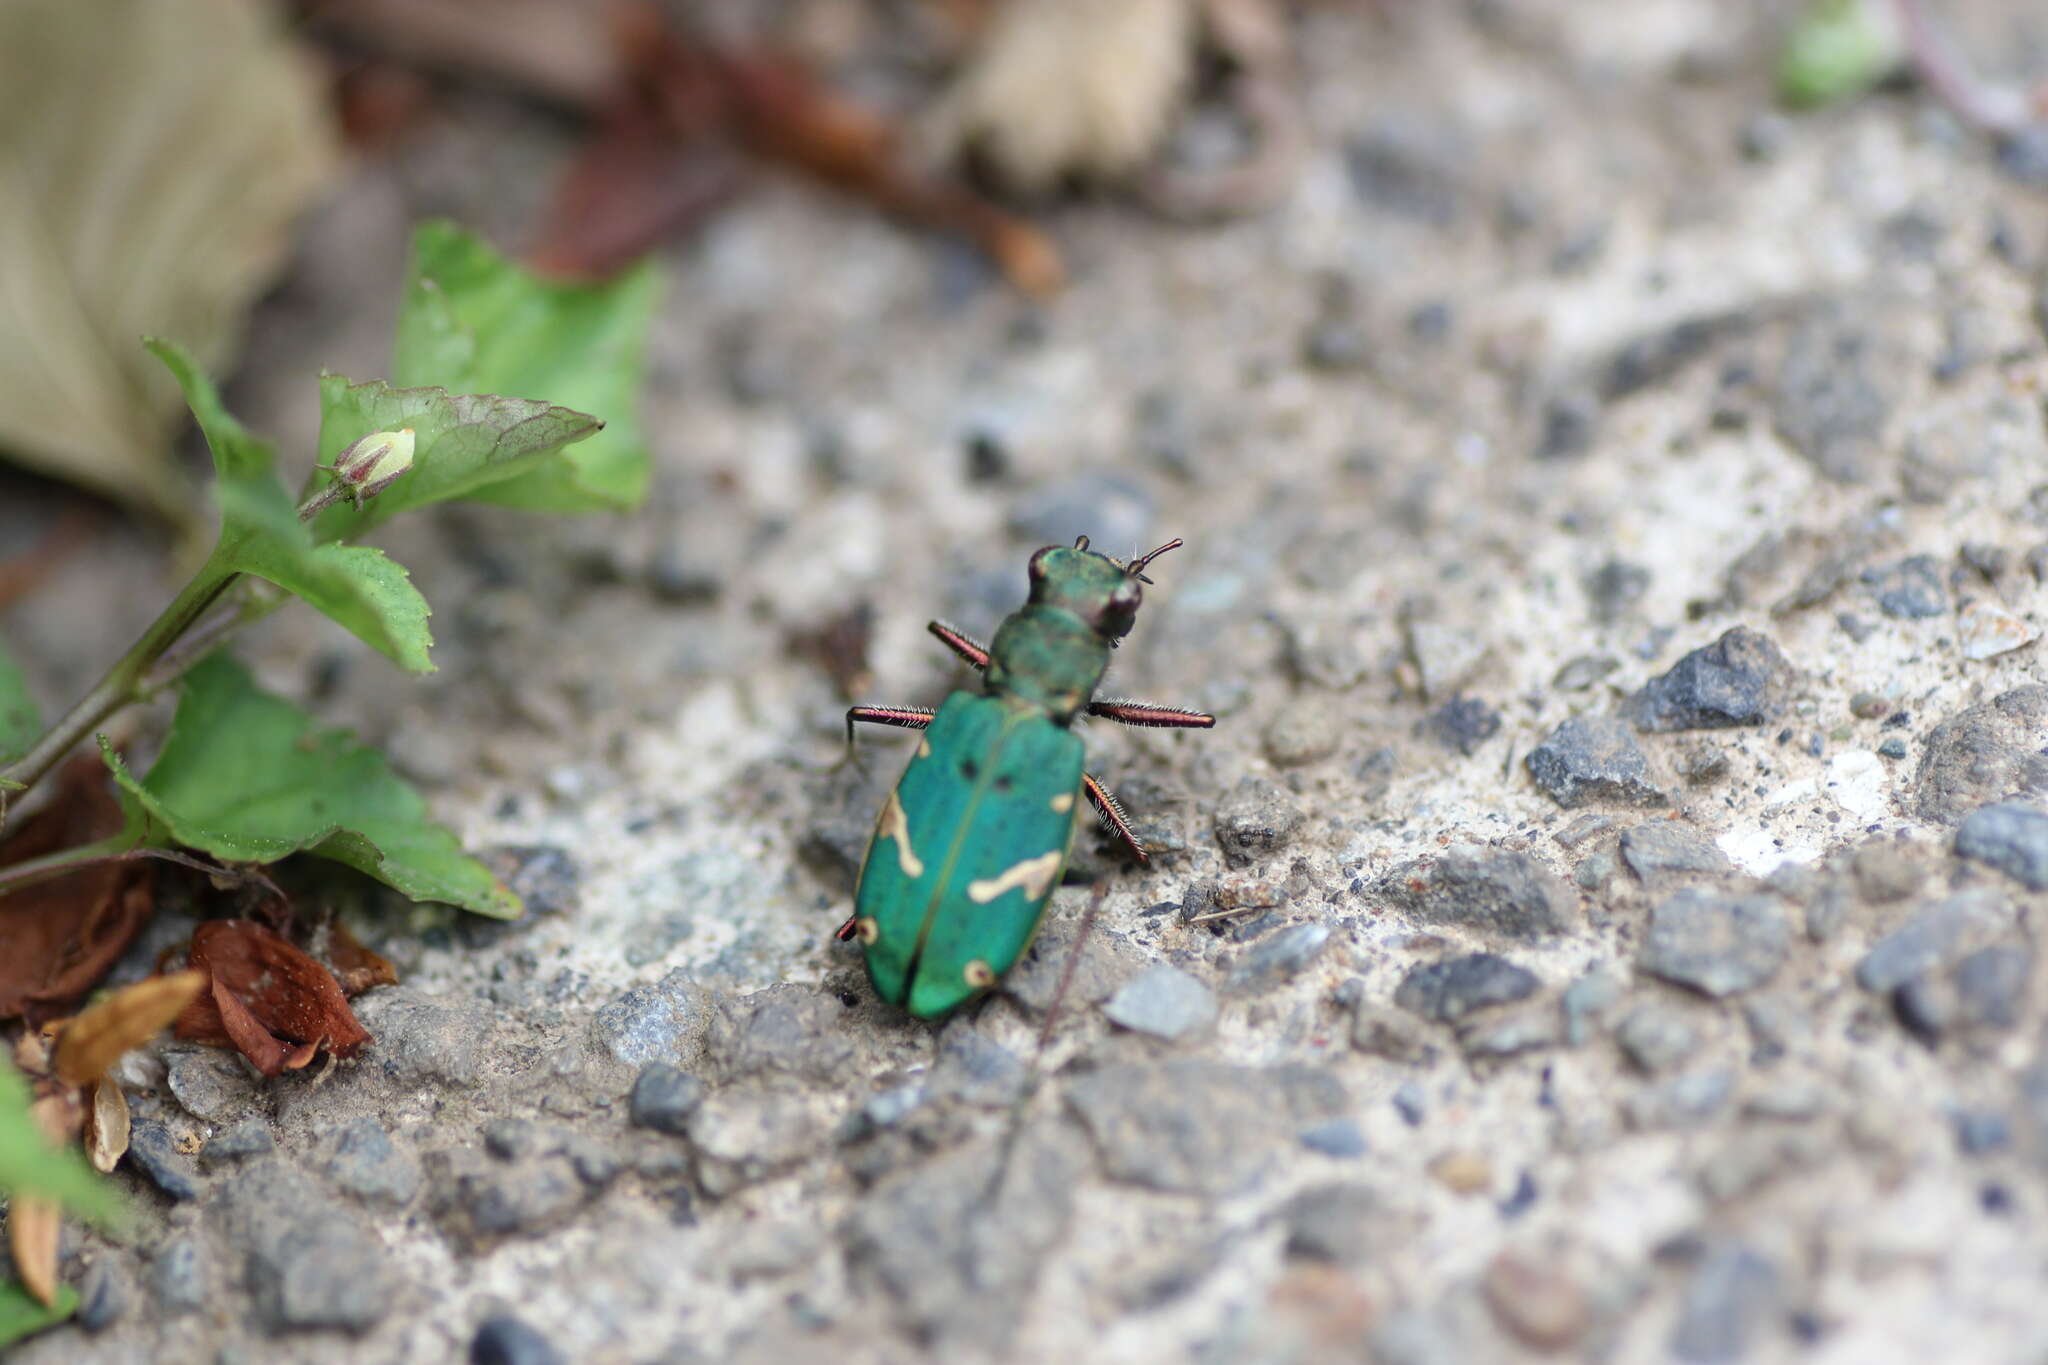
[973, 840]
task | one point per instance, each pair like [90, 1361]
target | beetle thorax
[1049, 658]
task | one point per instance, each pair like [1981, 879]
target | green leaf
[1837, 49]
[245, 776]
[29, 1163]
[21, 1316]
[261, 534]
[474, 322]
[464, 444]
[19, 721]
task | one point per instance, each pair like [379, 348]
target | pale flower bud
[366, 468]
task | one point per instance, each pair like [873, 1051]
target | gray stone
[1276, 958]
[1307, 730]
[1731, 1295]
[1163, 1001]
[1833, 398]
[307, 1261]
[2010, 837]
[211, 1084]
[1448, 991]
[1446, 657]
[1462, 724]
[1493, 891]
[974, 1067]
[1660, 851]
[1934, 936]
[1983, 754]
[1256, 820]
[1533, 1026]
[1656, 1037]
[505, 1340]
[360, 1160]
[102, 1296]
[250, 1137]
[547, 878]
[177, 1276]
[658, 1023]
[1717, 945]
[1910, 589]
[1195, 1126]
[1593, 758]
[1985, 991]
[1615, 587]
[1581, 672]
[422, 1040]
[1684, 1101]
[744, 1134]
[1091, 966]
[956, 1243]
[1585, 1000]
[1340, 1138]
[795, 1030]
[664, 1097]
[1342, 1224]
[152, 1148]
[477, 1201]
[1739, 679]
[1392, 1034]
[512, 1138]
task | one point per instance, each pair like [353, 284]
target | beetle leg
[1150, 713]
[902, 717]
[1113, 815]
[973, 651]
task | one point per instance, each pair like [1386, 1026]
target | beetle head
[1102, 591]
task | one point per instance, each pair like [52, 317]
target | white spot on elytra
[924, 748]
[895, 825]
[1034, 875]
[1063, 803]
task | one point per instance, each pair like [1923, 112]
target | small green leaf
[245, 776]
[29, 1163]
[19, 721]
[462, 443]
[21, 1316]
[474, 322]
[1837, 49]
[261, 534]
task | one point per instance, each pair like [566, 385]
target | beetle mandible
[973, 839]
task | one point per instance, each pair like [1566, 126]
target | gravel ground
[1600, 924]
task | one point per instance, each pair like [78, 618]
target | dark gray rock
[1662, 851]
[505, 1340]
[1462, 724]
[1494, 891]
[1615, 587]
[250, 1137]
[1910, 590]
[360, 1160]
[512, 1138]
[1392, 1034]
[544, 876]
[152, 1148]
[1340, 1223]
[1656, 1037]
[103, 1296]
[663, 1022]
[1593, 758]
[1276, 958]
[1340, 1138]
[1195, 1126]
[422, 1040]
[2010, 837]
[1525, 1029]
[1731, 1296]
[1983, 754]
[1717, 945]
[1986, 990]
[307, 1261]
[1934, 936]
[1833, 397]
[1570, 424]
[744, 1134]
[1256, 820]
[477, 1201]
[664, 1097]
[1112, 509]
[1739, 679]
[211, 1084]
[795, 1030]
[1448, 991]
[177, 1276]
[1163, 1001]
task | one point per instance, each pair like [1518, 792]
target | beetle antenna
[1137, 566]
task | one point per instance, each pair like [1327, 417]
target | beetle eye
[1127, 596]
[1037, 566]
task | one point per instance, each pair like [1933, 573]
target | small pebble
[151, 1147]
[1461, 1172]
[1910, 589]
[1448, 991]
[1277, 957]
[1337, 1138]
[102, 1296]
[1893, 748]
[1718, 945]
[1731, 1294]
[1536, 1301]
[1163, 1001]
[1869, 706]
[1593, 758]
[1979, 1131]
[1303, 733]
[1462, 724]
[1393, 1034]
[509, 1139]
[1738, 680]
[2010, 837]
[1985, 630]
[664, 1097]
[1410, 1103]
[250, 1137]
[1656, 1037]
[1256, 820]
[508, 1341]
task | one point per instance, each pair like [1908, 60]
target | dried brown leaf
[356, 967]
[33, 1226]
[128, 1018]
[58, 937]
[267, 996]
[106, 1125]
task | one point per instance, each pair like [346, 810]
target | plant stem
[17, 875]
[127, 681]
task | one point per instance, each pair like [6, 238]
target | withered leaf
[58, 937]
[33, 1226]
[106, 1125]
[356, 967]
[274, 1003]
[128, 1018]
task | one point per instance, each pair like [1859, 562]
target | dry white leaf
[33, 1228]
[106, 1126]
[1062, 88]
[153, 154]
